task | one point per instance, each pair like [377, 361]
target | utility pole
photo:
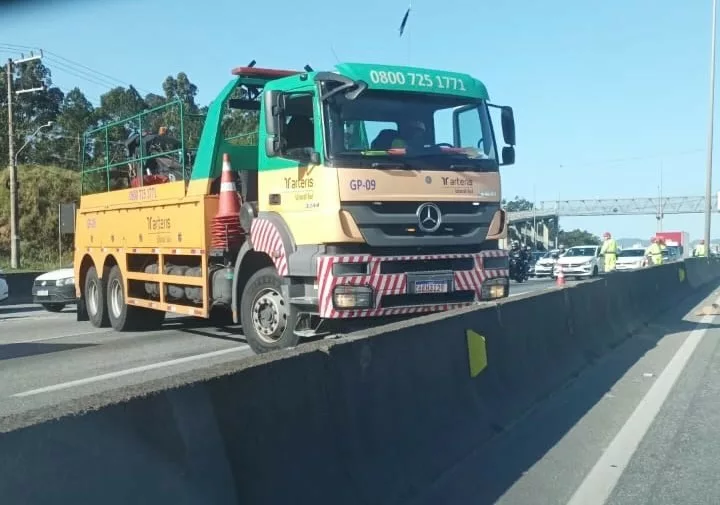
[711, 120]
[12, 164]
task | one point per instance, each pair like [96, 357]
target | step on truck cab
[367, 191]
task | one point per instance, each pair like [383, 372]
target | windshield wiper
[390, 164]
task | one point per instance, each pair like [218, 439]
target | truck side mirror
[274, 102]
[508, 155]
[508, 125]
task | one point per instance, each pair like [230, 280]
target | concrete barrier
[20, 286]
[375, 417]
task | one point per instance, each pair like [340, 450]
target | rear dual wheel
[106, 306]
[124, 317]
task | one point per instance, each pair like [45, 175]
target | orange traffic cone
[226, 231]
[560, 280]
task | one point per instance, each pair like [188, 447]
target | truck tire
[267, 318]
[124, 317]
[118, 312]
[94, 294]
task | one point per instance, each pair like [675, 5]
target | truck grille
[395, 224]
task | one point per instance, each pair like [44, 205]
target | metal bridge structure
[547, 213]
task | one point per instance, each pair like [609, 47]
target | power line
[68, 62]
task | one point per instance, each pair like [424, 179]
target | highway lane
[47, 357]
[639, 427]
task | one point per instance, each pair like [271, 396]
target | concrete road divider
[20, 286]
[375, 417]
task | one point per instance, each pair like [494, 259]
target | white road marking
[597, 486]
[128, 371]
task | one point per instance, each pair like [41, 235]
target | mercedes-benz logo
[429, 217]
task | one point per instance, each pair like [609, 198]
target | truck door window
[299, 128]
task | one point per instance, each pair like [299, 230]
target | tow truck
[366, 191]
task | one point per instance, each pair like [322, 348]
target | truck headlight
[68, 281]
[352, 297]
[494, 288]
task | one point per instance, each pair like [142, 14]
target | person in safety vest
[609, 249]
[654, 252]
[700, 249]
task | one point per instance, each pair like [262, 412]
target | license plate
[42, 292]
[430, 287]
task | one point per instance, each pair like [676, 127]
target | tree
[76, 116]
[577, 237]
[517, 205]
[30, 110]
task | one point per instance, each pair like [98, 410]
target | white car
[54, 290]
[4, 288]
[580, 261]
[630, 259]
[545, 265]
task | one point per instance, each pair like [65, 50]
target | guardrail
[380, 415]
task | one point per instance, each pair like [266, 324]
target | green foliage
[42, 189]
[51, 159]
[577, 237]
[517, 205]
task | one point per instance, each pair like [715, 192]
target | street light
[709, 167]
[14, 208]
[31, 138]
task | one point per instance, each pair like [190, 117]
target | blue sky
[605, 92]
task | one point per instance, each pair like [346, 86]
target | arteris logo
[457, 182]
[158, 223]
[291, 183]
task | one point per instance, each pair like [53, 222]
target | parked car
[4, 288]
[56, 289]
[630, 259]
[581, 261]
[545, 265]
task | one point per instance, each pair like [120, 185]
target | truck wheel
[95, 299]
[267, 318]
[117, 308]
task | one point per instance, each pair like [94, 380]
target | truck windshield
[409, 130]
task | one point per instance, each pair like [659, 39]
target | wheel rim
[269, 315]
[92, 298]
[117, 300]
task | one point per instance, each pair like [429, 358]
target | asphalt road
[46, 357]
[640, 427]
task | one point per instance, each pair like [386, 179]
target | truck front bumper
[361, 286]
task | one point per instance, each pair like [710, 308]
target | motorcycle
[519, 271]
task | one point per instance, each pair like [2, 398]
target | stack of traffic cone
[560, 281]
[225, 229]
